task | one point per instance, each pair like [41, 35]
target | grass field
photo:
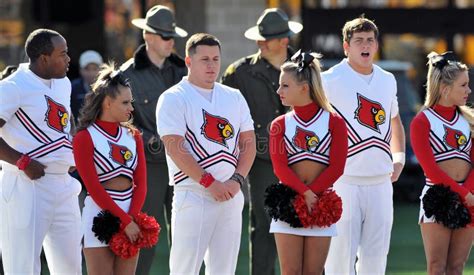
[406, 249]
[406, 255]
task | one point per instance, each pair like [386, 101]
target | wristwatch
[238, 178]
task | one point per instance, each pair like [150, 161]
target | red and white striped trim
[449, 122]
[221, 156]
[289, 146]
[468, 146]
[51, 147]
[120, 195]
[308, 156]
[236, 151]
[441, 150]
[102, 162]
[121, 171]
[388, 136]
[31, 127]
[195, 146]
[431, 183]
[108, 169]
[105, 134]
[311, 121]
[369, 143]
[436, 144]
[294, 155]
[324, 144]
[352, 134]
[452, 155]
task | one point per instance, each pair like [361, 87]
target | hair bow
[117, 77]
[441, 60]
[303, 59]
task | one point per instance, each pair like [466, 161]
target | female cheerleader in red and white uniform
[308, 149]
[109, 156]
[441, 139]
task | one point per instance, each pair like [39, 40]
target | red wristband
[23, 162]
[206, 180]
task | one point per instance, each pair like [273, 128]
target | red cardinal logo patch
[454, 138]
[216, 129]
[56, 116]
[369, 113]
[305, 140]
[120, 154]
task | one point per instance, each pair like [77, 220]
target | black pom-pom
[446, 207]
[279, 204]
[105, 225]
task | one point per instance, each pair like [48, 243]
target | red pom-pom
[327, 210]
[149, 228]
[299, 204]
[120, 244]
[122, 247]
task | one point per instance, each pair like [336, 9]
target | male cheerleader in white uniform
[366, 97]
[39, 204]
[210, 144]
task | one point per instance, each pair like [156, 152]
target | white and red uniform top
[367, 108]
[37, 119]
[107, 150]
[308, 133]
[307, 140]
[438, 134]
[211, 128]
[113, 155]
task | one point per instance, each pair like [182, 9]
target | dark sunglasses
[165, 38]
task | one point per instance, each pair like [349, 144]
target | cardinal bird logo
[120, 154]
[369, 113]
[56, 116]
[305, 140]
[216, 129]
[454, 138]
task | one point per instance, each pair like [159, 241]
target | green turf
[406, 249]
[406, 255]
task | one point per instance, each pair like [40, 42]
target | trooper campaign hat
[273, 23]
[160, 20]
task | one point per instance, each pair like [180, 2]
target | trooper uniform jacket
[148, 82]
[258, 82]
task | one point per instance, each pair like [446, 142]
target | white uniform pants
[364, 228]
[43, 212]
[202, 228]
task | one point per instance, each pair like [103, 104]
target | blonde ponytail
[311, 75]
[445, 74]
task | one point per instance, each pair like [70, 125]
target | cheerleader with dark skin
[447, 250]
[300, 88]
[108, 107]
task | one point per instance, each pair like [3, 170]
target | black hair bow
[441, 60]
[117, 77]
[303, 59]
